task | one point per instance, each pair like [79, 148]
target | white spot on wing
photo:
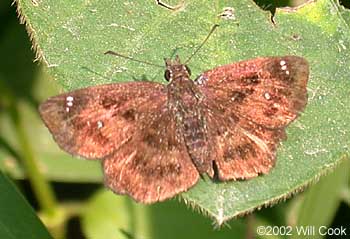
[267, 96]
[69, 102]
[99, 124]
[284, 67]
[69, 98]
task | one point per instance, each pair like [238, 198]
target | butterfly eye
[167, 75]
[188, 70]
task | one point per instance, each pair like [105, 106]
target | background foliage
[70, 38]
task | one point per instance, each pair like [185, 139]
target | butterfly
[156, 140]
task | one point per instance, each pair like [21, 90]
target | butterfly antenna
[132, 59]
[200, 46]
[167, 6]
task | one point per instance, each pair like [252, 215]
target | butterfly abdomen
[194, 130]
[196, 140]
[185, 103]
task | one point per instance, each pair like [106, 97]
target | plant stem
[42, 190]
[142, 227]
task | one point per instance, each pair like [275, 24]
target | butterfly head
[175, 69]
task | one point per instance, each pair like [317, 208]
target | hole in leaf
[345, 3]
[271, 5]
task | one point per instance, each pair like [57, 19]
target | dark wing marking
[95, 121]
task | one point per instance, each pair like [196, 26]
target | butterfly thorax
[184, 101]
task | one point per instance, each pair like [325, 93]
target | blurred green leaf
[106, 216]
[321, 201]
[72, 36]
[17, 218]
[110, 216]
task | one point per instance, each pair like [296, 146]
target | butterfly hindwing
[244, 157]
[239, 149]
[154, 165]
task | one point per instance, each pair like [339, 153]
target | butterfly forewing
[95, 121]
[269, 91]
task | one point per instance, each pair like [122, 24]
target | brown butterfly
[156, 140]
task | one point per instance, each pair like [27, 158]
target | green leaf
[71, 37]
[106, 216]
[321, 201]
[17, 218]
[109, 216]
